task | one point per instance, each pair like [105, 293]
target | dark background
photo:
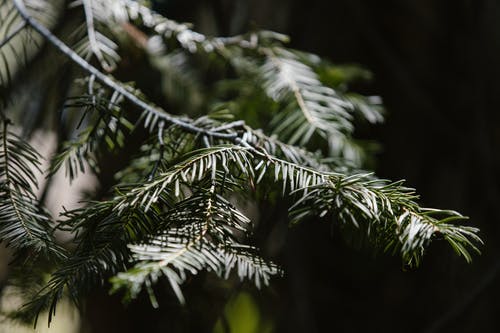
[436, 66]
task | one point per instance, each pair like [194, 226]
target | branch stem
[109, 82]
[12, 34]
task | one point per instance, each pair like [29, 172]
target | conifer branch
[170, 213]
[203, 236]
[108, 81]
[24, 225]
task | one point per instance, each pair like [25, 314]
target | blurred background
[436, 65]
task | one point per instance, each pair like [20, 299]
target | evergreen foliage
[173, 209]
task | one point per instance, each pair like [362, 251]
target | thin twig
[12, 34]
[94, 44]
[108, 81]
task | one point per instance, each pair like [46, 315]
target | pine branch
[310, 109]
[315, 109]
[101, 235]
[10, 59]
[120, 11]
[172, 257]
[102, 232]
[175, 215]
[157, 155]
[302, 83]
[24, 225]
[388, 213]
[17, 44]
[97, 43]
[202, 238]
[153, 111]
[193, 167]
[360, 197]
[105, 129]
[369, 108]
[294, 154]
